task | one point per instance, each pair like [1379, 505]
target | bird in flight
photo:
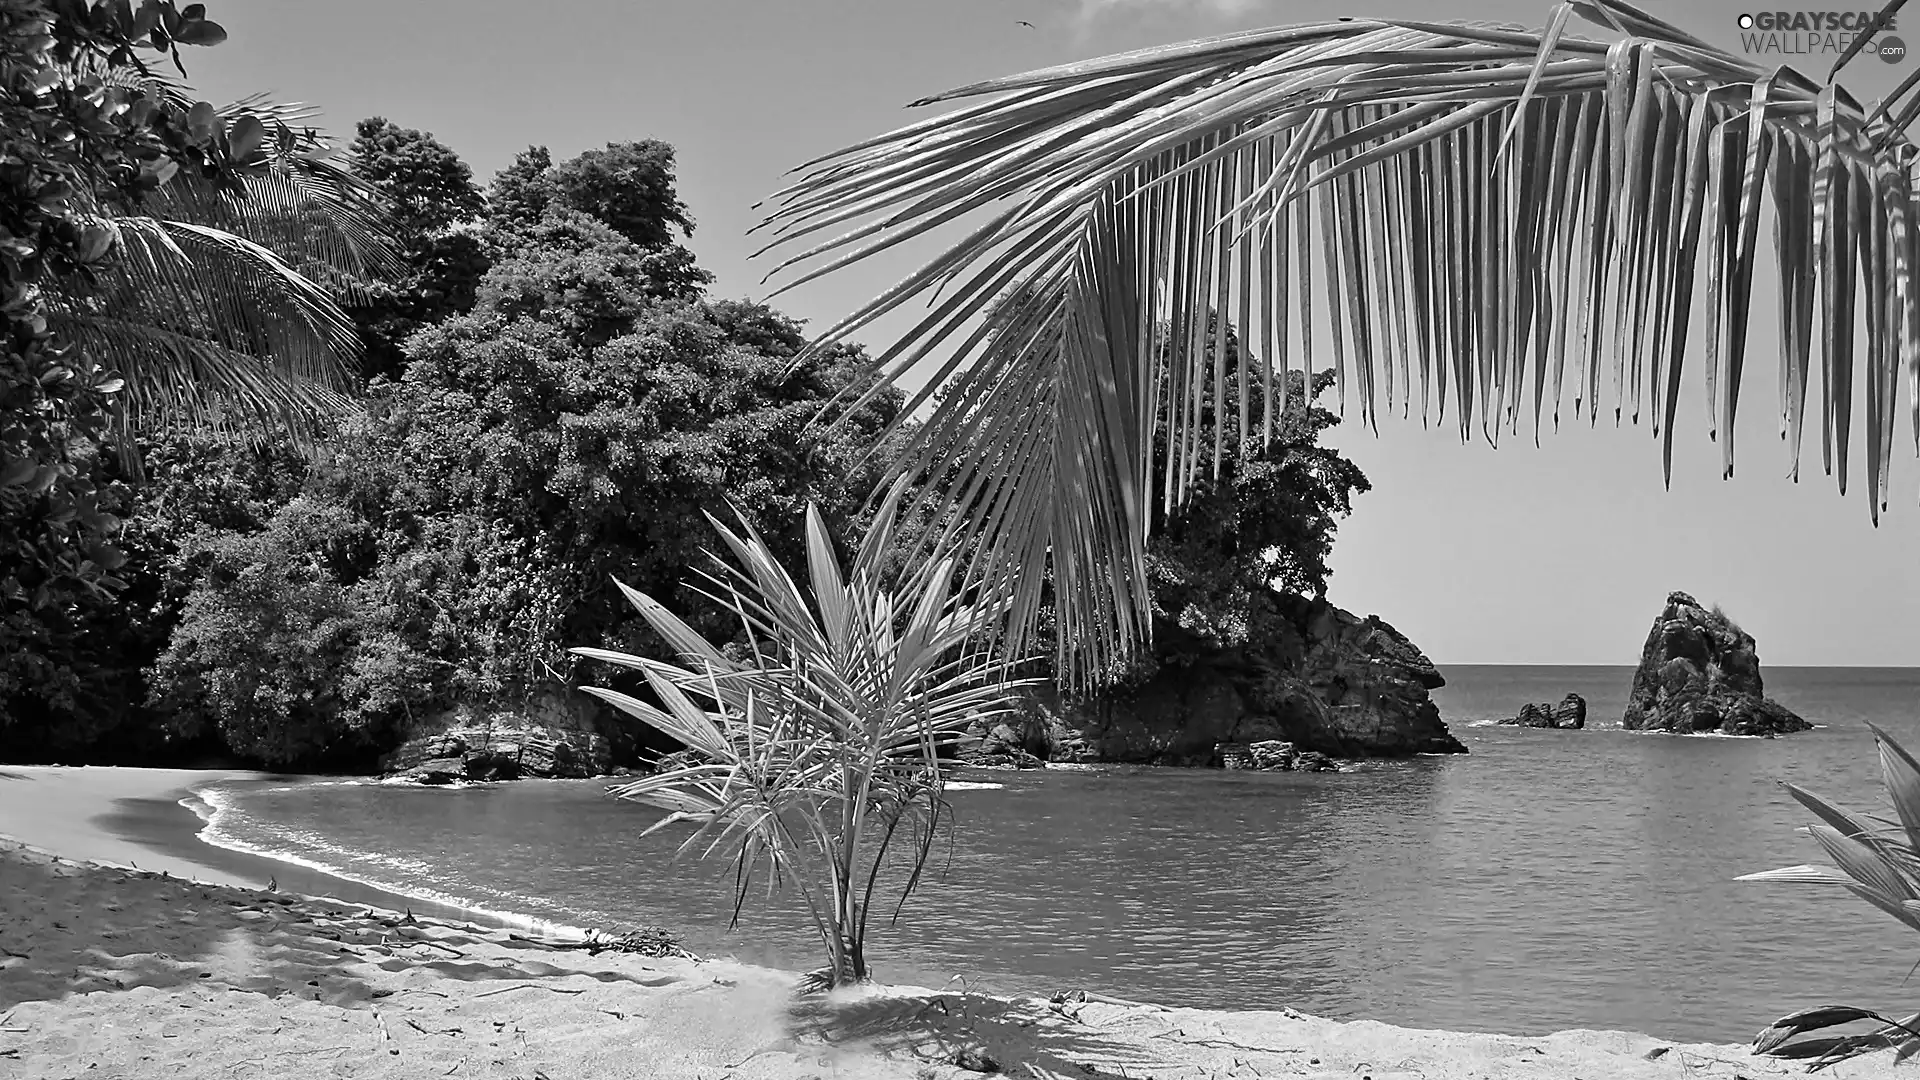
[1027, 24]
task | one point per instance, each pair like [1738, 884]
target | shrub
[1878, 861]
[816, 748]
[283, 649]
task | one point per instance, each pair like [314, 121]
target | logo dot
[1746, 22]
[1891, 49]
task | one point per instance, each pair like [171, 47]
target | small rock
[438, 771]
[1569, 715]
[1273, 755]
[975, 1060]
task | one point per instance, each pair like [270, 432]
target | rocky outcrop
[1273, 755]
[553, 737]
[1699, 673]
[1317, 677]
[1569, 715]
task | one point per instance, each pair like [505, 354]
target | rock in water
[554, 735]
[1314, 676]
[1699, 672]
[1569, 715]
[1273, 755]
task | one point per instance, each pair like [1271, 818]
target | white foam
[972, 785]
[1694, 734]
[214, 806]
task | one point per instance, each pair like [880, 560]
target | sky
[1558, 555]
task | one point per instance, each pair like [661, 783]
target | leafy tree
[284, 651]
[428, 185]
[1266, 522]
[629, 186]
[519, 465]
[570, 428]
[436, 207]
[576, 273]
[134, 218]
[521, 192]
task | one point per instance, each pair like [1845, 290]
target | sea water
[1546, 880]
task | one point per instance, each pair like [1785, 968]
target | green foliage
[80, 682]
[816, 747]
[575, 272]
[430, 187]
[518, 466]
[285, 650]
[75, 132]
[1878, 861]
[463, 531]
[629, 186]
[520, 192]
[1267, 522]
[436, 204]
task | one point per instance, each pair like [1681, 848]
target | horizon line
[1634, 664]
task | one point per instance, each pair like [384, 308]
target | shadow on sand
[82, 931]
[1026, 1037]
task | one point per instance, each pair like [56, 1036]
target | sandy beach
[180, 969]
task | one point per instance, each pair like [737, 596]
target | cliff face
[1323, 679]
[1699, 672]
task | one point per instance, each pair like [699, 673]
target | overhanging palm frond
[326, 223]
[203, 323]
[1492, 214]
[220, 302]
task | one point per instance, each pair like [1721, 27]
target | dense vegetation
[549, 400]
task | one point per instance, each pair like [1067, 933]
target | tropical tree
[815, 744]
[435, 206]
[219, 300]
[1488, 210]
[162, 259]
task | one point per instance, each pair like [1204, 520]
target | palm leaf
[220, 302]
[816, 748]
[1538, 201]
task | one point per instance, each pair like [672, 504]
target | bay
[1546, 880]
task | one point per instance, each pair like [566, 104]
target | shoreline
[143, 974]
[130, 817]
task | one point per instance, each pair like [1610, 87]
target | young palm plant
[1879, 861]
[819, 748]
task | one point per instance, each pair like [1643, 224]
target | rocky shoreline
[1321, 686]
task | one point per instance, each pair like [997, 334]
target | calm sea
[1547, 880]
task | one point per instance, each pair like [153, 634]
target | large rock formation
[1699, 673]
[556, 736]
[1319, 678]
[1570, 715]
